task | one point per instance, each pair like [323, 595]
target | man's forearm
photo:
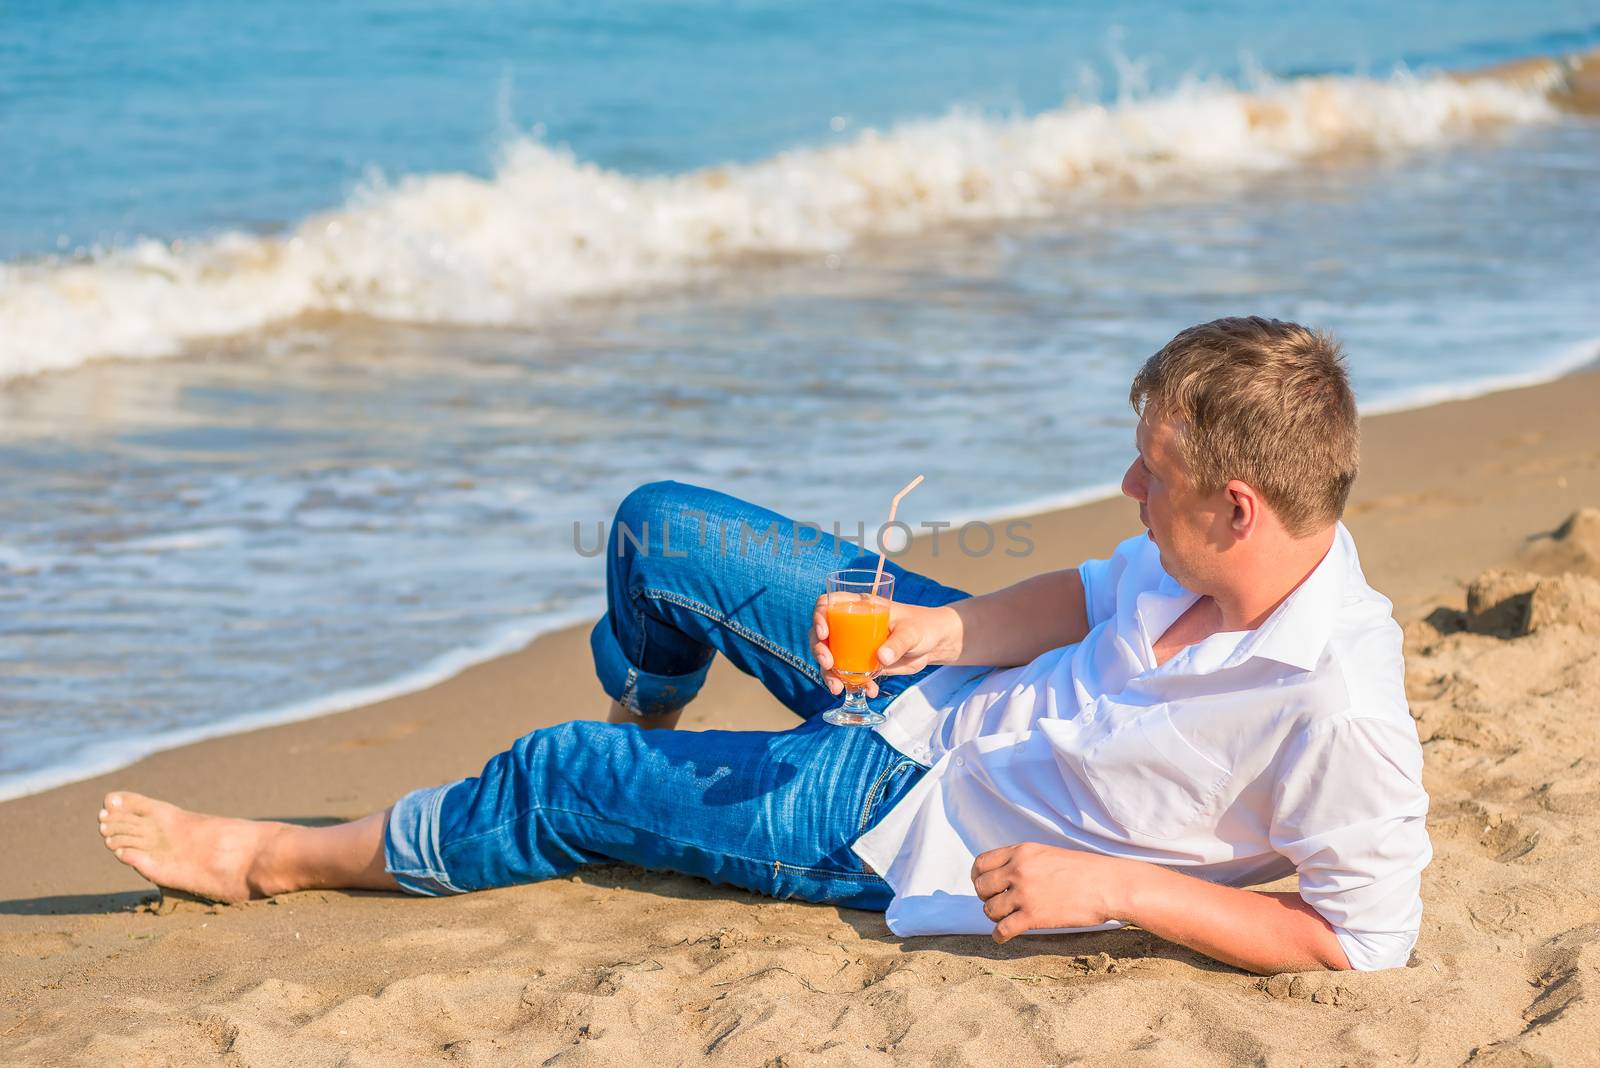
[1014, 625]
[1255, 930]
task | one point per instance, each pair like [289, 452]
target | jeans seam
[779, 865]
[740, 629]
[872, 794]
[629, 698]
[638, 626]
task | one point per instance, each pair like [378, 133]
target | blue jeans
[689, 573]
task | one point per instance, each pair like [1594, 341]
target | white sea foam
[179, 541]
[547, 228]
[20, 561]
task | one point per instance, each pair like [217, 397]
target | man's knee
[678, 521]
[647, 517]
[549, 754]
[647, 501]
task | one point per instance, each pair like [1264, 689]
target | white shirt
[1245, 757]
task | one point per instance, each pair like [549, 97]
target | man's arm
[1015, 625]
[1030, 887]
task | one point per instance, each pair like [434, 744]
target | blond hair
[1262, 401]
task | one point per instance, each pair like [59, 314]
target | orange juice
[856, 627]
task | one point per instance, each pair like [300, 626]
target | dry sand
[618, 966]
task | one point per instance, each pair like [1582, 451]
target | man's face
[1191, 530]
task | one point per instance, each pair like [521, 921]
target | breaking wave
[547, 228]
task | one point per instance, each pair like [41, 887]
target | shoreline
[516, 637]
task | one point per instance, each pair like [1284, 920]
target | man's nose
[1132, 484]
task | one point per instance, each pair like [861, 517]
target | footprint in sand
[1500, 836]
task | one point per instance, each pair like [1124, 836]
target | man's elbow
[1336, 960]
[1303, 958]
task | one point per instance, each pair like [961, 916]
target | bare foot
[208, 856]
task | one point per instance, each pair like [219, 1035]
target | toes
[129, 803]
[134, 804]
[119, 842]
[117, 821]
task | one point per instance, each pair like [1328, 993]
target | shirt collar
[1299, 629]
[1160, 608]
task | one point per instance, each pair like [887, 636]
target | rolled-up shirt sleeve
[1350, 813]
[1100, 578]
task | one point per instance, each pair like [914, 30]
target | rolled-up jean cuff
[411, 843]
[640, 692]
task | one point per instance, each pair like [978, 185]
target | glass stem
[855, 701]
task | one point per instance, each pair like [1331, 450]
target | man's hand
[918, 636]
[1029, 887]
[1001, 629]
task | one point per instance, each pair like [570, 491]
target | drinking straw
[894, 506]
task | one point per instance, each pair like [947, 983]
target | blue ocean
[321, 326]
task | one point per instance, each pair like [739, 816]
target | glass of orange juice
[858, 622]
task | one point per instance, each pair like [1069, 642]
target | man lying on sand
[1217, 705]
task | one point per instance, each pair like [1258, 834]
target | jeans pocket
[842, 862]
[886, 791]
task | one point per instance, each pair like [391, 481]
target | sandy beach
[616, 965]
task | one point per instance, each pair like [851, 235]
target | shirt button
[960, 762]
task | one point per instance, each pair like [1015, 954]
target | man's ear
[1247, 505]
